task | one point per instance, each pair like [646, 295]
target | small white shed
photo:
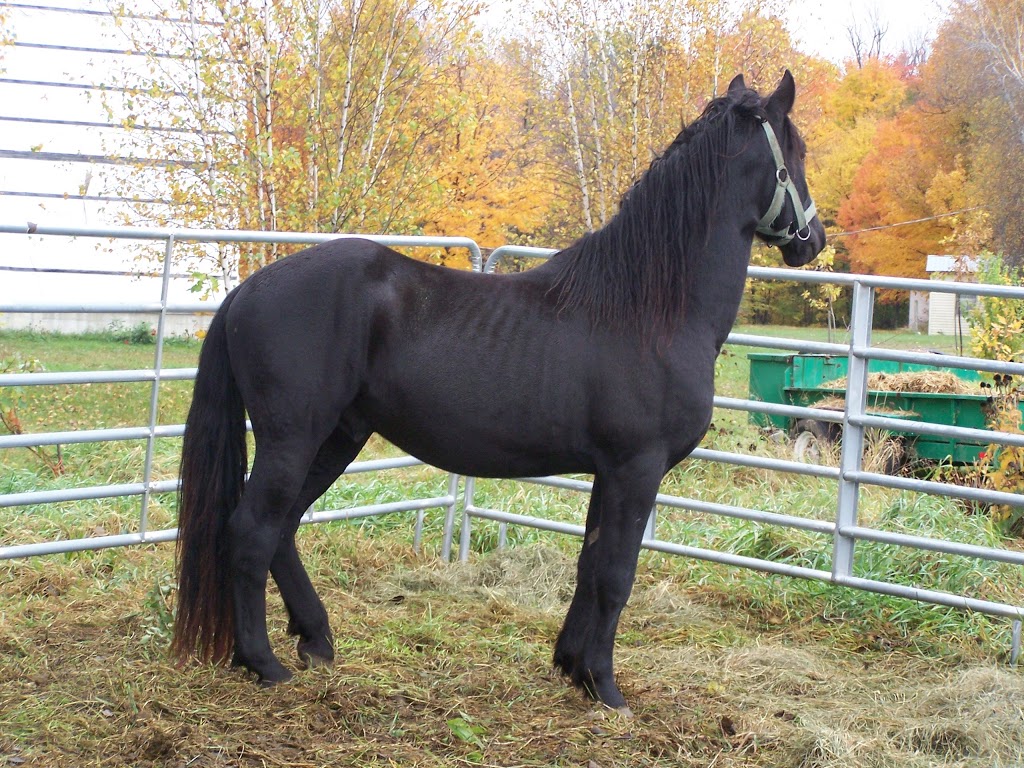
[947, 312]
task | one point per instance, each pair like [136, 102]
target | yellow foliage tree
[976, 76]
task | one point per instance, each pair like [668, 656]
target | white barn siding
[941, 314]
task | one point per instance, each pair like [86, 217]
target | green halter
[798, 228]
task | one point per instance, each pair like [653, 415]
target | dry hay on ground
[838, 403]
[447, 665]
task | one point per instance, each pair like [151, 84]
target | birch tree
[291, 114]
[625, 74]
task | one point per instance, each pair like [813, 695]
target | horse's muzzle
[802, 249]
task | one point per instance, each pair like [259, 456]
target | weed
[158, 614]
[140, 333]
[465, 730]
[12, 406]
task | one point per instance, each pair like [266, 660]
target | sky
[819, 28]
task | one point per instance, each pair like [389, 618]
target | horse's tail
[213, 465]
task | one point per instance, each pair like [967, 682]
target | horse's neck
[716, 281]
[716, 278]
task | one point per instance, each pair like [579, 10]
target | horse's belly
[510, 437]
[483, 446]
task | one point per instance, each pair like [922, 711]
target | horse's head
[790, 221]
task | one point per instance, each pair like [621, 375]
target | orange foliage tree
[891, 190]
[843, 135]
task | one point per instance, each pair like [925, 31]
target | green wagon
[807, 380]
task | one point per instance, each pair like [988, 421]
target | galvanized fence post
[853, 431]
[154, 395]
[1015, 643]
[449, 516]
[651, 529]
[465, 529]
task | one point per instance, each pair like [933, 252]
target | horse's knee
[614, 585]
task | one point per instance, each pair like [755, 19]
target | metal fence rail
[844, 530]
[153, 431]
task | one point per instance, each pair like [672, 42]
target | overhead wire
[924, 220]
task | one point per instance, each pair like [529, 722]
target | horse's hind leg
[255, 529]
[307, 618]
[618, 514]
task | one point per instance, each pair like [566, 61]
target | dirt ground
[442, 665]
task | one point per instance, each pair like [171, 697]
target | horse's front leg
[619, 509]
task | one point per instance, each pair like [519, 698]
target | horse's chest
[690, 391]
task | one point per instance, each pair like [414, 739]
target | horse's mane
[632, 273]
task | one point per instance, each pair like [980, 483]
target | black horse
[600, 361]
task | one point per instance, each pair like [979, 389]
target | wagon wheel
[811, 440]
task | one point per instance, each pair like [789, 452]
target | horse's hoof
[313, 660]
[624, 712]
[268, 675]
[275, 676]
[313, 655]
[266, 682]
[605, 691]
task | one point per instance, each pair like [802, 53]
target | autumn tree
[890, 204]
[840, 139]
[492, 182]
[626, 74]
[758, 44]
[610, 83]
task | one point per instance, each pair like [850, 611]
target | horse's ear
[785, 94]
[737, 84]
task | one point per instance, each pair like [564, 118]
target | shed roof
[951, 264]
